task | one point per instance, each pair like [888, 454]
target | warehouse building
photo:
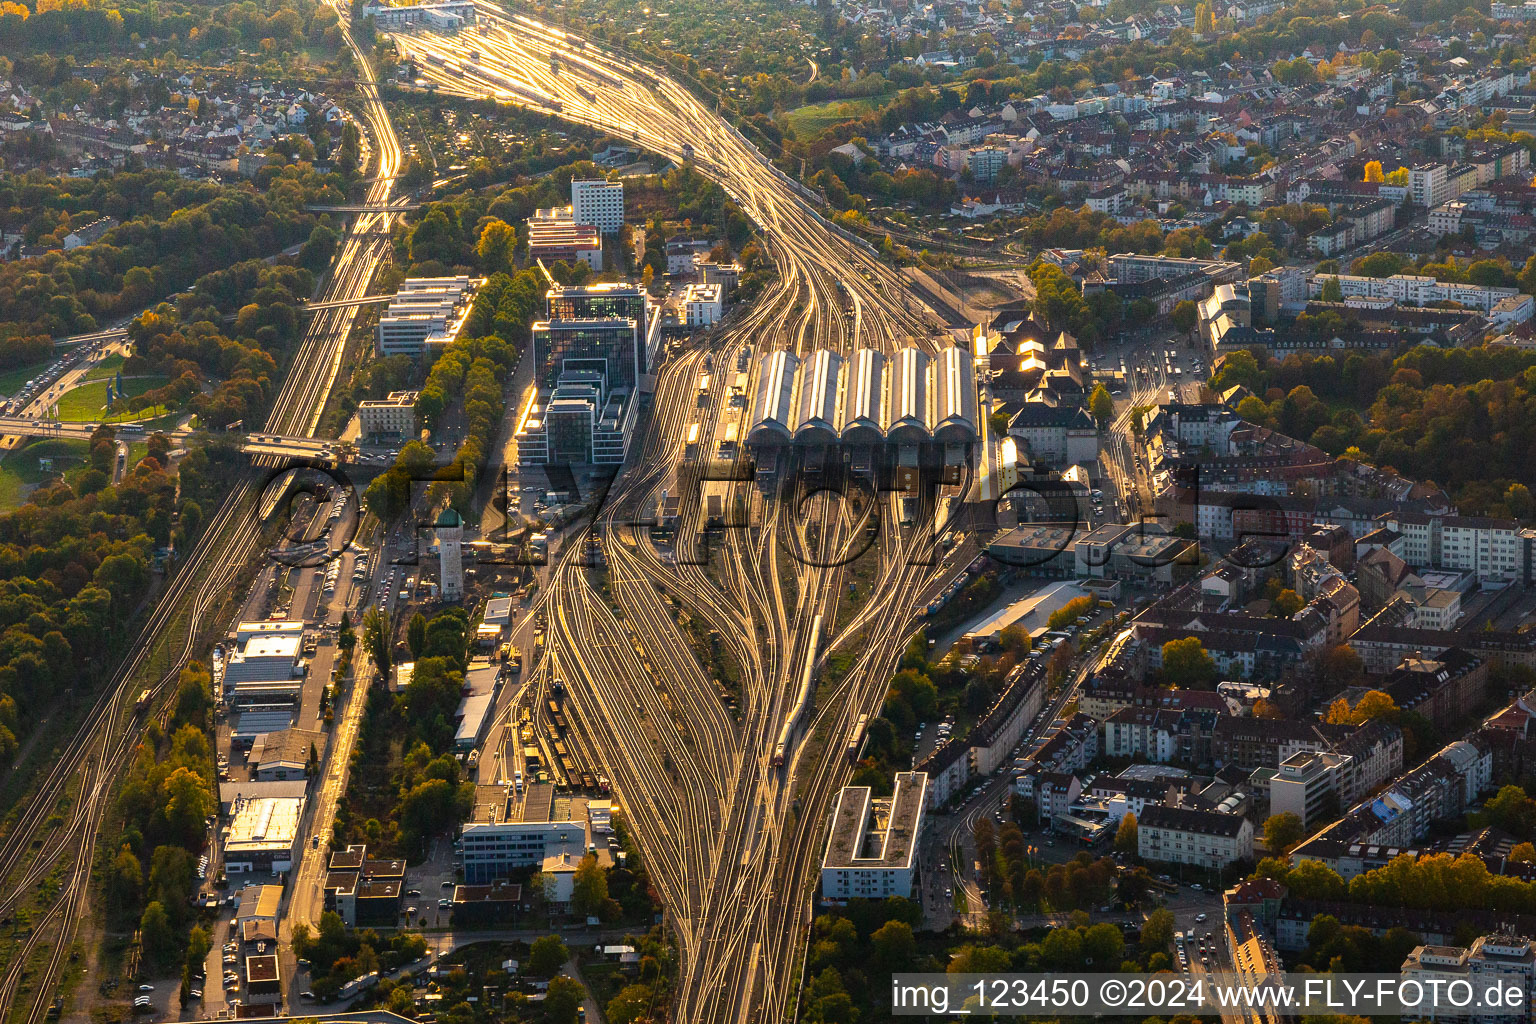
[265, 667]
[262, 834]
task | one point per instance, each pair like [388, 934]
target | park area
[88, 401]
[23, 469]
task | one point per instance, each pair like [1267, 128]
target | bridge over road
[319, 448]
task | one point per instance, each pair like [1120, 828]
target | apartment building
[599, 203]
[1496, 550]
[1442, 787]
[1182, 835]
[1308, 783]
[702, 305]
[1503, 958]
[1413, 290]
[392, 417]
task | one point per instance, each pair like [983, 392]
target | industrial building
[873, 843]
[265, 667]
[262, 834]
[520, 829]
[427, 313]
[824, 399]
[444, 17]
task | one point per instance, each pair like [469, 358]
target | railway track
[101, 746]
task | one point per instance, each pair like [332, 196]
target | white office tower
[598, 203]
[450, 540]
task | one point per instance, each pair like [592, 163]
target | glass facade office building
[563, 345]
[603, 302]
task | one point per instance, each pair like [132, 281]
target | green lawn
[19, 470]
[12, 381]
[89, 400]
[810, 121]
[108, 367]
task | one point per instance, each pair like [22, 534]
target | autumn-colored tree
[1283, 831]
[1126, 835]
[1205, 20]
[1371, 706]
[1101, 405]
[1266, 709]
[1373, 171]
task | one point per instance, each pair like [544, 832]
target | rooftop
[877, 833]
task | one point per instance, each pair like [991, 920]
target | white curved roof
[818, 397]
[955, 396]
[863, 394]
[908, 397]
[773, 415]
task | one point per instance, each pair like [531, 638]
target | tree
[1157, 932]
[1332, 290]
[416, 634]
[546, 956]
[1523, 853]
[1070, 612]
[1014, 639]
[894, 945]
[1205, 20]
[125, 877]
[1185, 316]
[376, 639]
[1374, 704]
[1288, 603]
[1373, 171]
[1526, 279]
[631, 1004]
[497, 240]
[562, 1000]
[1101, 405]
[1125, 835]
[1186, 663]
[1283, 831]
[157, 936]
[589, 888]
